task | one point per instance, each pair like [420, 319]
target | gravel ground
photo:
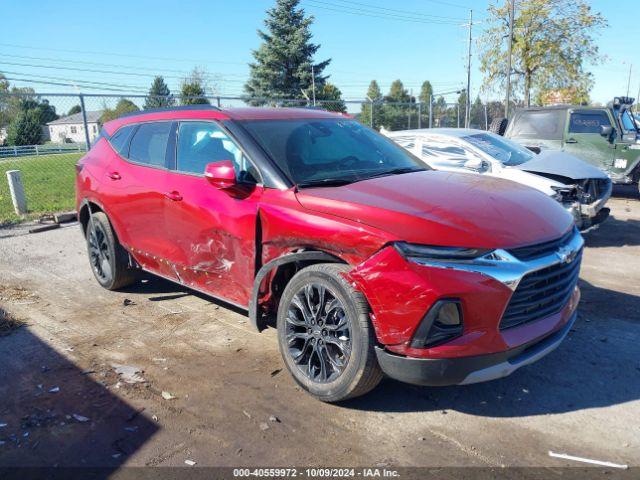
[211, 390]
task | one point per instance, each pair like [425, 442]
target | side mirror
[221, 174]
[474, 164]
[606, 131]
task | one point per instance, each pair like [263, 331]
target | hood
[444, 208]
[554, 162]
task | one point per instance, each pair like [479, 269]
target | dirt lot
[64, 404]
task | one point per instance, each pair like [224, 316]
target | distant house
[70, 129]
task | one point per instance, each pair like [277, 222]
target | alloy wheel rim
[318, 333]
[99, 252]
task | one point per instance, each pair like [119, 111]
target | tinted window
[627, 122]
[542, 124]
[507, 152]
[119, 140]
[321, 150]
[200, 143]
[149, 143]
[588, 121]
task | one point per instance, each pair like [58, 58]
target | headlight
[415, 252]
[564, 194]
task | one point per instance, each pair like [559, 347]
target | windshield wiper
[326, 182]
[395, 171]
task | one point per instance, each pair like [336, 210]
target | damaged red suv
[366, 261]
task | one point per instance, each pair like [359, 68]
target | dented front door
[213, 231]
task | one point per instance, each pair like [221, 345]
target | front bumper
[467, 370]
[590, 214]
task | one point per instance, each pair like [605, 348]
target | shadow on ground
[54, 414]
[614, 233]
[596, 366]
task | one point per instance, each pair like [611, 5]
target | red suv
[365, 260]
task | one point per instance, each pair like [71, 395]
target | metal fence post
[218, 101]
[84, 121]
[419, 115]
[17, 192]
[486, 118]
[458, 115]
[430, 111]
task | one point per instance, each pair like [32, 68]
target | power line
[393, 10]
[112, 54]
[369, 13]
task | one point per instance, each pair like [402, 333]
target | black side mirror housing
[606, 131]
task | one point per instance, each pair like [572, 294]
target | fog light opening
[442, 323]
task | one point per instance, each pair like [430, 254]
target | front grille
[542, 293]
[538, 250]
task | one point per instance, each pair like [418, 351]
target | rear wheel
[324, 334]
[109, 261]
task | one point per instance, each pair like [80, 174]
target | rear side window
[538, 124]
[588, 121]
[149, 143]
[119, 140]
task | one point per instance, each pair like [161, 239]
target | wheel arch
[283, 269]
[87, 208]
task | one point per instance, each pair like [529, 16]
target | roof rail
[199, 106]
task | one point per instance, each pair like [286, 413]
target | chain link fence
[44, 135]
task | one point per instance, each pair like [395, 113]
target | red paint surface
[182, 227]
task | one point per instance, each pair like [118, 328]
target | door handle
[570, 140]
[175, 196]
[114, 175]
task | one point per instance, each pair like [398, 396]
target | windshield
[507, 152]
[325, 151]
[538, 124]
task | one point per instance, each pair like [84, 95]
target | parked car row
[581, 189]
[367, 259]
[606, 137]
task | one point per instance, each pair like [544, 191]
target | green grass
[49, 184]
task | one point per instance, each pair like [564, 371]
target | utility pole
[313, 85]
[511, 18]
[629, 80]
[467, 113]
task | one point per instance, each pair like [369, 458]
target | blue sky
[130, 41]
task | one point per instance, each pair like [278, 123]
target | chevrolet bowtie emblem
[566, 255]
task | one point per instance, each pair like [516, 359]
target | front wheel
[109, 261]
[324, 334]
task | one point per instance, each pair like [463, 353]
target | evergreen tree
[477, 119]
[25, 128]
[159, 95]
[396, 117]
[193, 88]
[332, 98]
[374, 95]
[283, 62]
[425, 92]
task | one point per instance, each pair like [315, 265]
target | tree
[73, 110]
[552, 40]
[25, 129]
[374, 95]
[397, 117]
[425, 92]
[123, 106]
[193, 89]
[159, 95]
[283, 62]
[476, 119]
[332, 98]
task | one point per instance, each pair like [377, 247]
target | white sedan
[581, 188]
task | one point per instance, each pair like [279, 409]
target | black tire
[342, 337]
[109, 261]
[498, 126]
